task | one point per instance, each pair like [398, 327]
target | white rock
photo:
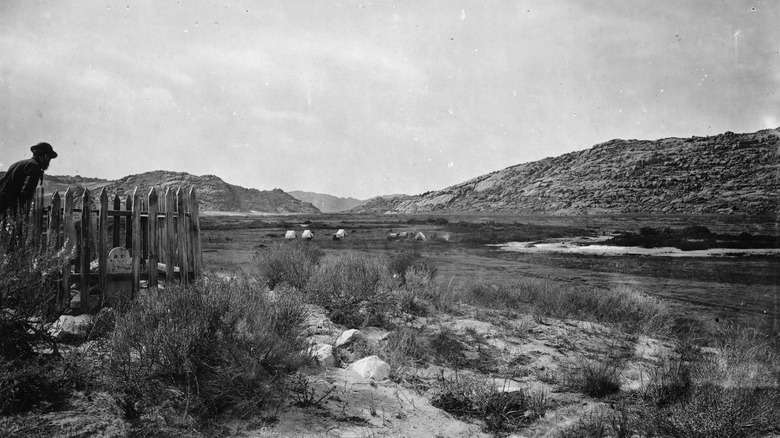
[69, 325]
[323, 353]
[371, 367]
[348, 337]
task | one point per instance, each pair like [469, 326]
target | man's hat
[44, 148]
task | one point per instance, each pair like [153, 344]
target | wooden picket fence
[160, 231]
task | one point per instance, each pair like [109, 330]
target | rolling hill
[727, 173]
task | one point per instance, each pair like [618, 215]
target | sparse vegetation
[216, 345]
[354, 289]
[287, 262]
[500, 411]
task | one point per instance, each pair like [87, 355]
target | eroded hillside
[727, 173]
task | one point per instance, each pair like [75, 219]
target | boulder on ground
[349, 337]
[71, 327]
[323, 354]
[371, 367]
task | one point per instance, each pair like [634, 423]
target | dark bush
[220, 343]
[287, 262]
[354, 289]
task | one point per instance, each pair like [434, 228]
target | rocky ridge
[214, 194]
[326, 203]
[726, 173]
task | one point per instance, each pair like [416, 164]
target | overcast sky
[367, 98]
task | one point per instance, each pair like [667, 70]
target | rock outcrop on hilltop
[213, 193]
[727, 173]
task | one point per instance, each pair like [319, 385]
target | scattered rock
[371, 367]
[349, 337]
[323, 354]
[69, 327]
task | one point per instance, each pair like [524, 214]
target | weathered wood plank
[84, 251]
[69, 236]
[128, 226]
[154, 240]
[195, 227]
[136, 251]
[117, 222]
[103, 241]
[170, 236]
[181, 231]
[54, 235]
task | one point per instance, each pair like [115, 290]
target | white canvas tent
[419, 236]
[341, 233]
[307, 234]
[290, 234]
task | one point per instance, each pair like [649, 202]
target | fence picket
[84, 249]
[181, 233]
[117, 222]
[195, 230]
[154, 240]
[103, 240]
[69, 236]
[53, 237]
[136, 253]
[170, 242]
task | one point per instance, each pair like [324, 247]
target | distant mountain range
[214, 194]
[327, 203]
[726, 173]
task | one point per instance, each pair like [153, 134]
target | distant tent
[341, 233]
[419, 236]
[307, 234]
[403, 234]
[392, 236]
[290, 235]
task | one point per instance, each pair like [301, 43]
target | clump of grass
[287, 262]
[628, 308]
[501, 412]
[217, 344]
[593, 377]
[354, 289]
[405, 347]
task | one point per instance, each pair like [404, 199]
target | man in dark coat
[17, 186]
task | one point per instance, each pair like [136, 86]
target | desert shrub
[447, 349]
[287, 262]
[28, 290]
[220, 343]
[28, 303]
[501, 412]
[399, 263]
[353, 288]
[593, 377]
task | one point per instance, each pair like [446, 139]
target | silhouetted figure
[17, 187]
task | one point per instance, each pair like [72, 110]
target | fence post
[197, 262]
[170, 243]
[154, 241]
[128, 226]
[103, 242]
[69, 243]
[182, 235]
[136, 253]
[54, 238]
[86, 237]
